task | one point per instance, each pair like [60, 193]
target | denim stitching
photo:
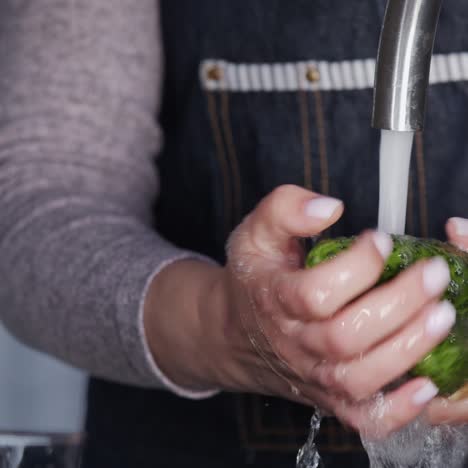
[222, 160]
[232, 157]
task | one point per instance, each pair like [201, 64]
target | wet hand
[324, 336]
[443, 410]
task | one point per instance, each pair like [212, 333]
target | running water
[308, 456]
[418, 445]
[395, 157]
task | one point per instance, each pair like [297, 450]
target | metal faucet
[403, 64]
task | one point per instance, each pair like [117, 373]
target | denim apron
[261, 93]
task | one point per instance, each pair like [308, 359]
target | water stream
[418, 445]
[395, 158]
[308, 456]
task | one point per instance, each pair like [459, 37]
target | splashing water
[308, 456]
[419, 445]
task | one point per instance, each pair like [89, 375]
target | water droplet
[295, 390]
[413, 340]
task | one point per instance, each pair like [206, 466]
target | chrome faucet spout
[403, 64]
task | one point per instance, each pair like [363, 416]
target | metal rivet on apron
[312, 75]
[215, 73]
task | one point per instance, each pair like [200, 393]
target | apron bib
[259, 94]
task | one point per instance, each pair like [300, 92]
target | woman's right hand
[323, 336]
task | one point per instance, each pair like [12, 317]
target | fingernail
[460, 225]
[383, 242]
[441, 319]
[436, 276]
[322, 207]
[425, 394]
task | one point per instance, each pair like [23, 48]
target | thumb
[292, 211]
[457, 232]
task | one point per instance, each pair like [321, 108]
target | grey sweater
[80, 84]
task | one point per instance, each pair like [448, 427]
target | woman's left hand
[443, 410]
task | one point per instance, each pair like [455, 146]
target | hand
[443, 410]
[316, 336]
[320, 337]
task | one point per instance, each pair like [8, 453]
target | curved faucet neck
[403, 64]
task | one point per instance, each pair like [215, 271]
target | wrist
[184, 309]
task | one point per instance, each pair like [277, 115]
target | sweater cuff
[130, 316]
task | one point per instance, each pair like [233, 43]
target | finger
[291, 211]
[457, 232]
[319, 292]
[384, 414]
[395, 356]
[444, 411]
[378, 314]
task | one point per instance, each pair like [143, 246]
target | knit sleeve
[80, 86]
